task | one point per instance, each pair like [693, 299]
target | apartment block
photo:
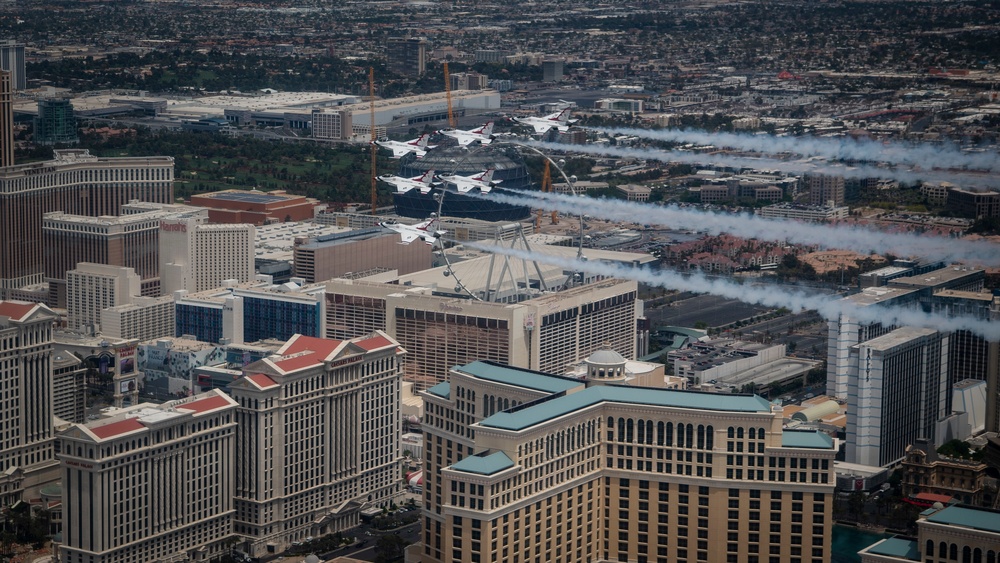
[525, 466]
[12, 61]
[255, 207]
[826, 190]
[55, 123]
[6, 120]
[332, 124]
[150, 483]
[407, 56]
[330, 256]
[68, 386]
[318, 439]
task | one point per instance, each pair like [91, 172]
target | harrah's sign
[173, 227]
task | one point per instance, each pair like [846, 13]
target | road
[410, 534]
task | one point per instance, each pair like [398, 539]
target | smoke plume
[946, 156]
[858, 239]
[829, 307]
[970, 181]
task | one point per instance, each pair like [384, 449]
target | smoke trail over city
[969, 181]
[925, 156]
[858, 239]
[828, 306]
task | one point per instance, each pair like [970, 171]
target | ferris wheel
[510, 276]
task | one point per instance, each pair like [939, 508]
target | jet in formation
[483, 135]
[409, 233]
[424, 182]
[560, 120]
[402, 148]
[484, 181]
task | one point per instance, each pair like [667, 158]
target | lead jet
[402, 148]
[484, 135]
[424, 182]
[484, 181]
[410, 233]
[560, 120]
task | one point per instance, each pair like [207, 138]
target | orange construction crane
[374, 147]
[447, 94]
[546, 187]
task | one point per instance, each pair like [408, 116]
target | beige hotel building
[552, 332]
[318, 439]
[522, 466]
[150, 483]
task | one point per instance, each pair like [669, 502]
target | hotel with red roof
[150, 483]
[26, 456]
[317, 439]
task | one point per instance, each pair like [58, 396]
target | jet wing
[463, 186]
[407, 237]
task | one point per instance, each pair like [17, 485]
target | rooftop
[968, 517]
[547, 410]
[876, 295]
[805, 439]
[897, 337]
[249, 196]
[519, 377]
[484, 464]
[139, 417]
[944, 275]
[442, 390]
[896, 547]
[262, 381]
[16, 310]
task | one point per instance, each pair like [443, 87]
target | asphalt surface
[713, 311]
[410, 534]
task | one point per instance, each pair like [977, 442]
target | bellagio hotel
[522, 466]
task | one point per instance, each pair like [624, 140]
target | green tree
[389, 548]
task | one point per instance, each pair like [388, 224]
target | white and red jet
[410, 233]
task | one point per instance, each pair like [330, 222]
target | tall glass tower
[55, 124]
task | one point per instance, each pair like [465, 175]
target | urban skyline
[728, 288]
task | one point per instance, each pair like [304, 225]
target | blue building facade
[263, 314]
[204, 322]
[280, 319]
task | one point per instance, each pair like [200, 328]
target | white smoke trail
[925, 156]
[829, 307]
[858, 239]
[968, 181]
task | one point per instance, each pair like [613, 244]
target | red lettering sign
[173, 227]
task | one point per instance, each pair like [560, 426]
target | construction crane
[546, 187]
[447, 94]
[374, 147]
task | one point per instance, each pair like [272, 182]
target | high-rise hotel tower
[74, 182]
